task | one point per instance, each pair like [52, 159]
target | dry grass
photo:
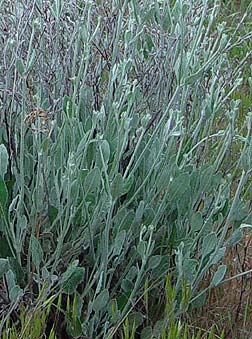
[229, 306]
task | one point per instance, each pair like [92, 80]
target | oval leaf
[219, 275]
[209, 244]
[101, 301]
[154, 262]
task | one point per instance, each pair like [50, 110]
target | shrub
[117, 162]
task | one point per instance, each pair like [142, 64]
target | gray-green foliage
[119, 124]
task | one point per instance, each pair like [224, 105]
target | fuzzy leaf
[118, 244]
[101, 301]
[141, 248]
[92, 180]
[135, 319]
[219, 275]
[72, 277]
[37, 252]
[74, 280]
[219, 255]
[4, 266]
[196, 222]
[179, 185]
[209, 244]
[102, 155]
[154, 262]
[200, 300]
[189, 269]
[10, 279]
[20, 66]
[235, 238]
[3, 160]
[140, 212]
[127, 184]
[3, 194]
[15, 293]
[117, 186]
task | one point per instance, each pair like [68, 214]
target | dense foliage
[117, 192]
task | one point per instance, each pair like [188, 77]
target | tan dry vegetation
[229, 306]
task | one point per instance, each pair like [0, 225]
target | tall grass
[117, 128]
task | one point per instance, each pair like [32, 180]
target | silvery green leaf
[179, 185]
[37, 252]
[3, 160]
[119, 242]
[149, 215]
[4, 266]
[92, 180]
[139, 212]
[22, 223]
[101, 301]
[189, 269]
[132, 273]
[146, 333]
[141, 248]
[235, 238]
[241, 211]
[193, 78]
[182, 204]
[177, 68]
[82, 145]
[127, 285]
[74, 328]
[217, 179]
[117, 186]
[246, 161]
[199, 300]
[20, 66]
[105, 149]
[72, 277]
[163, 179]
[250, 82]
[31, 61]
[196, 221]
[10, 279]
[209, 244]
[179, 258]
[218, 275]
[45, 273]
[74, 280]
[206, 178]
[16, 269]
[127, 183]
[218, 256]
[15, 293]
[3, 193]
[154, 261]
[176, 133]
[70, 270]
[83, 174]
[14, 203]
[128, 220]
